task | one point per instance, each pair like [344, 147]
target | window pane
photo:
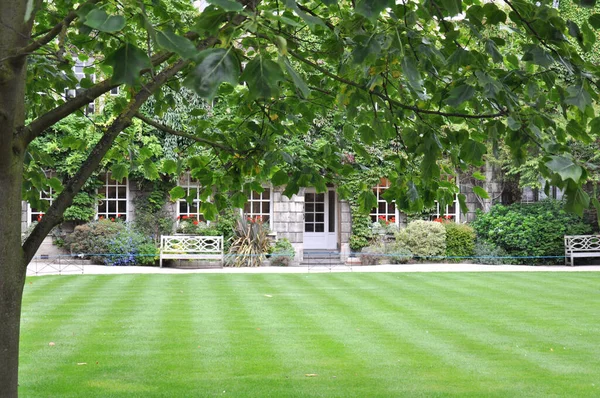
[309, 197]
[382, 207]
[266, 207]
[112, 206]
[331, 211]
[309, 217]
[266, 218]
[111, 192]
[320, 197]
[319, 227]
[320, 208]
[122, 207]
[266, 194]
[122, 192]
[247, 207]
[256, 207]
[320, 217]
[310, 208]
[309, 227]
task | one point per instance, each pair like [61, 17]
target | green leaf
[119, 171]
[452, 7]
[175, 43]
[310, 20]
[238, 200]
[577, 201]
[215, 66]
[586, 3]
[100, 20]
[169, 166]
[492, 49]
[472, 152]
[537, 55]
[55, 184]
[150, 170]
[297, 79]
[367, 201]
[209, 210]
[596, 205]
[262, 76]
[478, 176]
[127, 63]
[460, 94]
[578, 96]
[210, 20]
[279, 178]
[480, 192]
[577, 132]
[462, 200]
[565, 167]
[594, 20]
[411, 71]
[372, 8]
[227, 5]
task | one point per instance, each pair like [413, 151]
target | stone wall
[288, 219]
[345, 228]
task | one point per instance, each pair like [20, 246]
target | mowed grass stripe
[464, 371]
[333, 335]
[515, 356]
[212, 346]
[303, 345]
[55, 367]
[382, 358]
[123, 353]
[36, 305]
[478, 333]
[533, 304]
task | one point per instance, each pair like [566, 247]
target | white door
[320, 220]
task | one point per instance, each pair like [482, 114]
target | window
[185, 209]
[80, 74]
[532, 195]
[114, 91]
[37, 214]
[113, 204]
[259, 205]
[384, 210]
[452, 211]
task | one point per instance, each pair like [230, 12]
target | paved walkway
[37, 269]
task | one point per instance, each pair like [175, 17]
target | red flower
[195, 222]
[439, 219]
[112, 219]
[101, 218]
[448, 217]
[118, 216]
[184, 217]
[39, 217]
[178, 217]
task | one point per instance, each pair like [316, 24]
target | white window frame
[261, 200]
[106, 178]
[188, 183]
[49, 196]
[375, 213]
[455, 215]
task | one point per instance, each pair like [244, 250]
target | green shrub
[488, 253]
[372, 254]
[397, 254]
[530, 230]
[282, 253]
[92, 239]
[460, 240]
[112, 243]
[151, 219]
[425, 239]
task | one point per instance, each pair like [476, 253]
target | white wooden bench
[191, 247]
[581, 246]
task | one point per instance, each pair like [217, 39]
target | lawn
[312, 335]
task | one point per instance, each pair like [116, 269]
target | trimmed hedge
[424, 239]
[530, 232]
[460, 240]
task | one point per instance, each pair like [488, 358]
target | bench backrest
[191, 244]
[582, 243]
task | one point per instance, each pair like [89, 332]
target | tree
[441, 79]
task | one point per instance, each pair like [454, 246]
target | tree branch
[35, 128]
[392, 101]
[54, 214]
[171, 131]
[55, 31]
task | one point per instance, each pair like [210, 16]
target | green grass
[362, 335]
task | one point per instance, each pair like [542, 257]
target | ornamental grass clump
[250, 244]
[425, 239]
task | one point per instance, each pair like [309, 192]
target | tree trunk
[14, 34]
